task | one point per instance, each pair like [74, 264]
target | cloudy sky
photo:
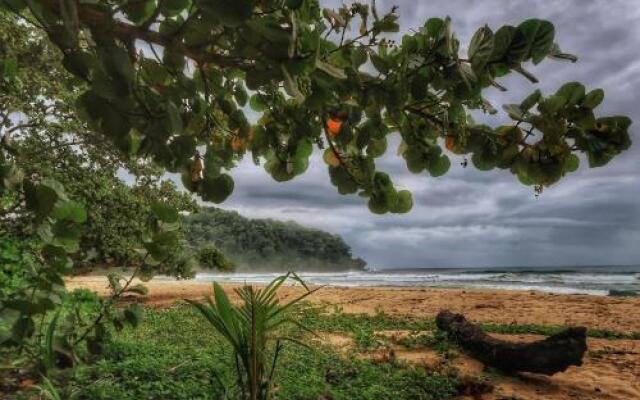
[471, 218]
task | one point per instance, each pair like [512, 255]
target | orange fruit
[159, 88]
[450, 142]
[237, 143]
[333, 126]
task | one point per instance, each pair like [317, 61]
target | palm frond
[250, 327]
[49, 336]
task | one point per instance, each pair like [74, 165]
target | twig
[109, 302]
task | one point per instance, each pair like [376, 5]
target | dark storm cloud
[473, 218]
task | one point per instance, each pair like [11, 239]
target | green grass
[317, 318]
[174, 354]
[323, 319]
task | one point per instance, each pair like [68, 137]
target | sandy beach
[611, 368]
[499, 306]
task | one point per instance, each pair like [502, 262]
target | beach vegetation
[366, 339]
[156, 360]
[210, 257]
[254, 331]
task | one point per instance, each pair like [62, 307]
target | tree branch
[94, 17]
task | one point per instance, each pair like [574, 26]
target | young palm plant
[251, 328]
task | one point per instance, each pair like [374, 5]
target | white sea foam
[598, 281]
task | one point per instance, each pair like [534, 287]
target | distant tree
[210, 257]
[268, 244]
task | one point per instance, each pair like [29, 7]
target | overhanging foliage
[164, 77]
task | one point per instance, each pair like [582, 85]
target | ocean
[594, 280]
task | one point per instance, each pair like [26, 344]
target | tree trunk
[548, 356]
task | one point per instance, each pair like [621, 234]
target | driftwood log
[554, 354]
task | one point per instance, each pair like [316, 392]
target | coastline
[619, 314]
[610, 367]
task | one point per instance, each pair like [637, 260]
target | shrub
[210, 257]
[251, 328]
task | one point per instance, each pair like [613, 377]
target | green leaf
[330, 69]
[379, 63]
[434, 27]
[49, 352]
[13, 5]
[240, 95]
[359, 56]
[483, 162]
[133, 314]
[552, 104]
[531, 100]
[173, 7]
[114, 282]
[481, 48]
[502, 44]
[593, 98]
[228, 12]
[71, 211]
[572, 163]
[217, 189]
[40, 198]
[119, 67]
[162, 245]
[573, 93]
[138, 289]
[387, 24]
[377, 147]
[173, 118]
[514, 111]
[257, 103]
[23, 328]
[139, 11]
[173, 60]
[539, 36]
[440, 166]
[467, 75]
[404, 202]
[56, 257]
[290, 86]
[198, 32]
[377, 205]
[164, 212]
[10, 68]
[342, 180]
[294, 4]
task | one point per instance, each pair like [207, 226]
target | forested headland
[267, 244]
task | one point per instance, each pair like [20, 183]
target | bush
[210, 257]
[16, 260]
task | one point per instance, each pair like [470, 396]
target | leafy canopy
[165, 77]
[42, 136]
